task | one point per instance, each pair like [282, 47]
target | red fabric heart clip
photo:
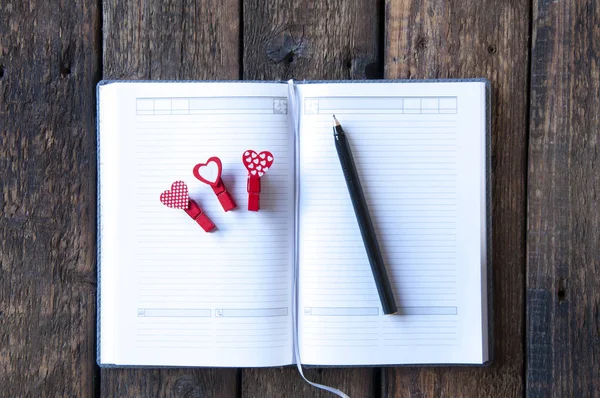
[210, 173]
[178, 198]
[257, 165]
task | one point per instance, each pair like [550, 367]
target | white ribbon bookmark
[321, 386]
[294, 123]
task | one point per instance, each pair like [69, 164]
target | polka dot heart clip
[257, 165]
[178, 198]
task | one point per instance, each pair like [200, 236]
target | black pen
[364, 220]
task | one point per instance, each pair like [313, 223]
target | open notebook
[291, 283]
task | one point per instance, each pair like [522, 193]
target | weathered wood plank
[331, 39]
[563, 251]
[435, 39]
[49, 63]
[287, 382]
[310, 40]
[176, 382]
[174, 39]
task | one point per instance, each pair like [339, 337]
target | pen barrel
[365, 224]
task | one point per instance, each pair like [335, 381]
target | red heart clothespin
[257, 165]
[178, 198]
[210, 173]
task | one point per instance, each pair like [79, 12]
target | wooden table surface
[542, 57]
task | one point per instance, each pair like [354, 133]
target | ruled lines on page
[413, 205]
[410, 152]
[219, 298]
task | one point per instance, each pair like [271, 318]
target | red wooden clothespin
[257, 165]
[210, 173]
[178, 198]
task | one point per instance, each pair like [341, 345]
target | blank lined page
[420, 153]
[181, 296]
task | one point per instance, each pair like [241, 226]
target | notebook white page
[172, 294]
[420, 152]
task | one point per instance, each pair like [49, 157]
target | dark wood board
[331, 39]
[172, 382]
[467, 39]
[52, 55]
[287, 382]
[563, 240]
[49, 63]
[310, 40]
[174, 39]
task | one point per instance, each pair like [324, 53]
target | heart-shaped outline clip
[217, 185]
[200, 177]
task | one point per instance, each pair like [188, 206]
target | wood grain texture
[331, 39]
[49, 63]
[287, 382]
[437, 39]
[173, 39]
[180, 383]
[563, 252]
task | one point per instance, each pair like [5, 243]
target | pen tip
[335, 121]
